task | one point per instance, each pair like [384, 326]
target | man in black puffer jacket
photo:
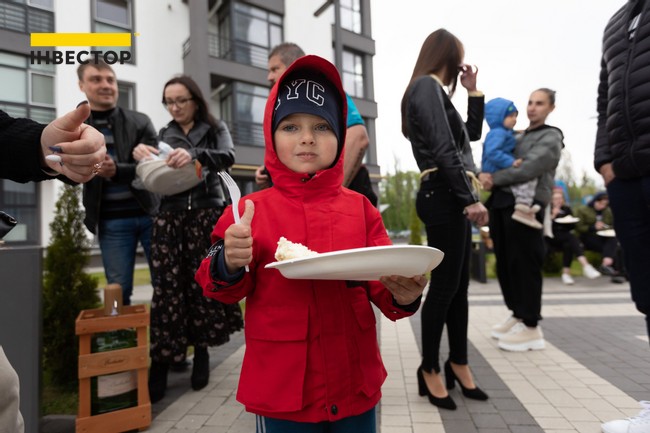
[622, 154]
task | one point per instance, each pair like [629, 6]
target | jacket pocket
[372, 371]
[273, 371]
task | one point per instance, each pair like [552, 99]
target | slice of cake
[289, 250]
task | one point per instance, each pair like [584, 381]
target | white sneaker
[590, 272]
[522, 338]
[636, 424]
[526, 218]
[501, 329]
[566, 279]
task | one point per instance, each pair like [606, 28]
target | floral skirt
[180, 315]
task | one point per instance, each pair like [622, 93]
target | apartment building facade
[222, 44]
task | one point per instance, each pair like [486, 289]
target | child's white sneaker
[526, 217]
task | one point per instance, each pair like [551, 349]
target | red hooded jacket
[311, 345]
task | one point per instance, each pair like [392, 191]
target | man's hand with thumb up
[238, 241]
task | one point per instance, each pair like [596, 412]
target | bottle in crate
[115, 391]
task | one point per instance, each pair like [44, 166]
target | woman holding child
[519, 249]
[447, 203]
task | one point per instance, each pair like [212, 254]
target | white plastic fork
[235, 195]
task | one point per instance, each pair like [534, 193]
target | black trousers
[519, 252]
[600, 244]
[446, 302]
[630, 202]
[567, 243]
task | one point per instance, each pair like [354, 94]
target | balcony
[25, 19]
[246, 133]
[237, 51]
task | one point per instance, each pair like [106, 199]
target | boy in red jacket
[312, 361]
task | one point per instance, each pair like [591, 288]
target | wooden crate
[90, 322]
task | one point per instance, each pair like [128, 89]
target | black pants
[519, 252]
[630, 203]
[446, 302]
[568, 244]
[600, 244]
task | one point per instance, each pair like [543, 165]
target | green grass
[140, 277]
[57, 400]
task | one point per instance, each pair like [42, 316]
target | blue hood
[496, 111]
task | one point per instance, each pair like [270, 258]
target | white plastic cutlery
[235, 195]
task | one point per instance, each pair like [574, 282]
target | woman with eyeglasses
[180, 315]
[447, 203]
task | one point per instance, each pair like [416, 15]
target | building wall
[163, 27]
[313, 34]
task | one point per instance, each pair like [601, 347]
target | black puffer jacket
[624, 96]
[214, 149]
[439, 137]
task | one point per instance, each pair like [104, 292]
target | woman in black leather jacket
[180, 315]
[447, 203]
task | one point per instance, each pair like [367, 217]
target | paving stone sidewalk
[594, 368]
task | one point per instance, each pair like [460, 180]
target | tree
[398, 191]
[67, 289]
[415, 227]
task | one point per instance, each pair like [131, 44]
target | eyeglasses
[180, 103]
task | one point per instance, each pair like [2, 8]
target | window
[242, 108]
[42, 4]
[126, 98]
[114, 16]
[28, 90]
[351, 15]
[353, 73]
[20, 201]
[254, 32]
[34, 17]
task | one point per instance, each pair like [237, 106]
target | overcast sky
[518, 46]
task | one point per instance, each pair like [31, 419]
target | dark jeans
[630, 203]
[519, 252]
[446, 302]
[364, 423]
[118, 241]
[568, 244]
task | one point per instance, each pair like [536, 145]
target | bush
[67, 289]
[552, 263]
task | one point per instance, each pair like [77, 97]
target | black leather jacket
[439, 137]
[214, 149]
[623, 136]
[130, 128]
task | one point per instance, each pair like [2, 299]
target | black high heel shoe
[157, 380]
[473, 393]
[201, 368]
[444, 402]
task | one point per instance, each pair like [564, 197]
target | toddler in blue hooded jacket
[498, 153]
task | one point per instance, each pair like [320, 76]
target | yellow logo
[80, 40]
